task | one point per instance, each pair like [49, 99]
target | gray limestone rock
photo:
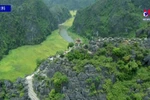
[89, 69]
[71, 73]
[85, 92]
[50, 73]
[101, 97]
[66, 97]
[72, 95]
[79, 96]
[82, 76]
[73, 83]
[139, 81]
[8, 84]
[146, 60]
[146, 98]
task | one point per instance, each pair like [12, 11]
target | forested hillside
[29, 23]
[113, 18]
[70, 4]
[60, 13]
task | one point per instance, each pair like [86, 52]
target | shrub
[2, 94]
[132, 66]
[137, 96]
[61, 53]
[89, 81]
[58, 80]
[127, 58]
[19, 86]
[80, 65]
[78, 54]
[140, 56]
[53, 95]
[39, 61]
[71, 44]
[101, 51]
[117, 52]
[107, 85]
[93, 89]
[21, 94]
[120, 64]
[86, 46]
[127, 70]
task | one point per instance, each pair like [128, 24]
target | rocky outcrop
[17, 90]
[89, 83]
[77, 86]
[86, 79]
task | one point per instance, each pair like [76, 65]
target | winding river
[64, 34]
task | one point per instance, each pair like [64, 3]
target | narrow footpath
[31, 93]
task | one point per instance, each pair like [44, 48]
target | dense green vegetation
[58, 80]
[60, 13]
[53, 95]
[114, 18]
[70, 45]
[30, 22]
[124, 61]
[70, 4]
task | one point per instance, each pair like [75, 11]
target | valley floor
[22, 61]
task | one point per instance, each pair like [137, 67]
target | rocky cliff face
[97, 75]
[14, 90]
[104, 69]
[112, 18]
[28, 23]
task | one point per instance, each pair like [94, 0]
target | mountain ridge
[112, 18]
[29, 23]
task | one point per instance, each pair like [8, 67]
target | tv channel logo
[146, 13]
[5, 8]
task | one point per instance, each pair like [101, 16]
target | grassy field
[22, 61]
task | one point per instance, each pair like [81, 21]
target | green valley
[75, 50]
[28, 24]
[23, 60]
[68, 25]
